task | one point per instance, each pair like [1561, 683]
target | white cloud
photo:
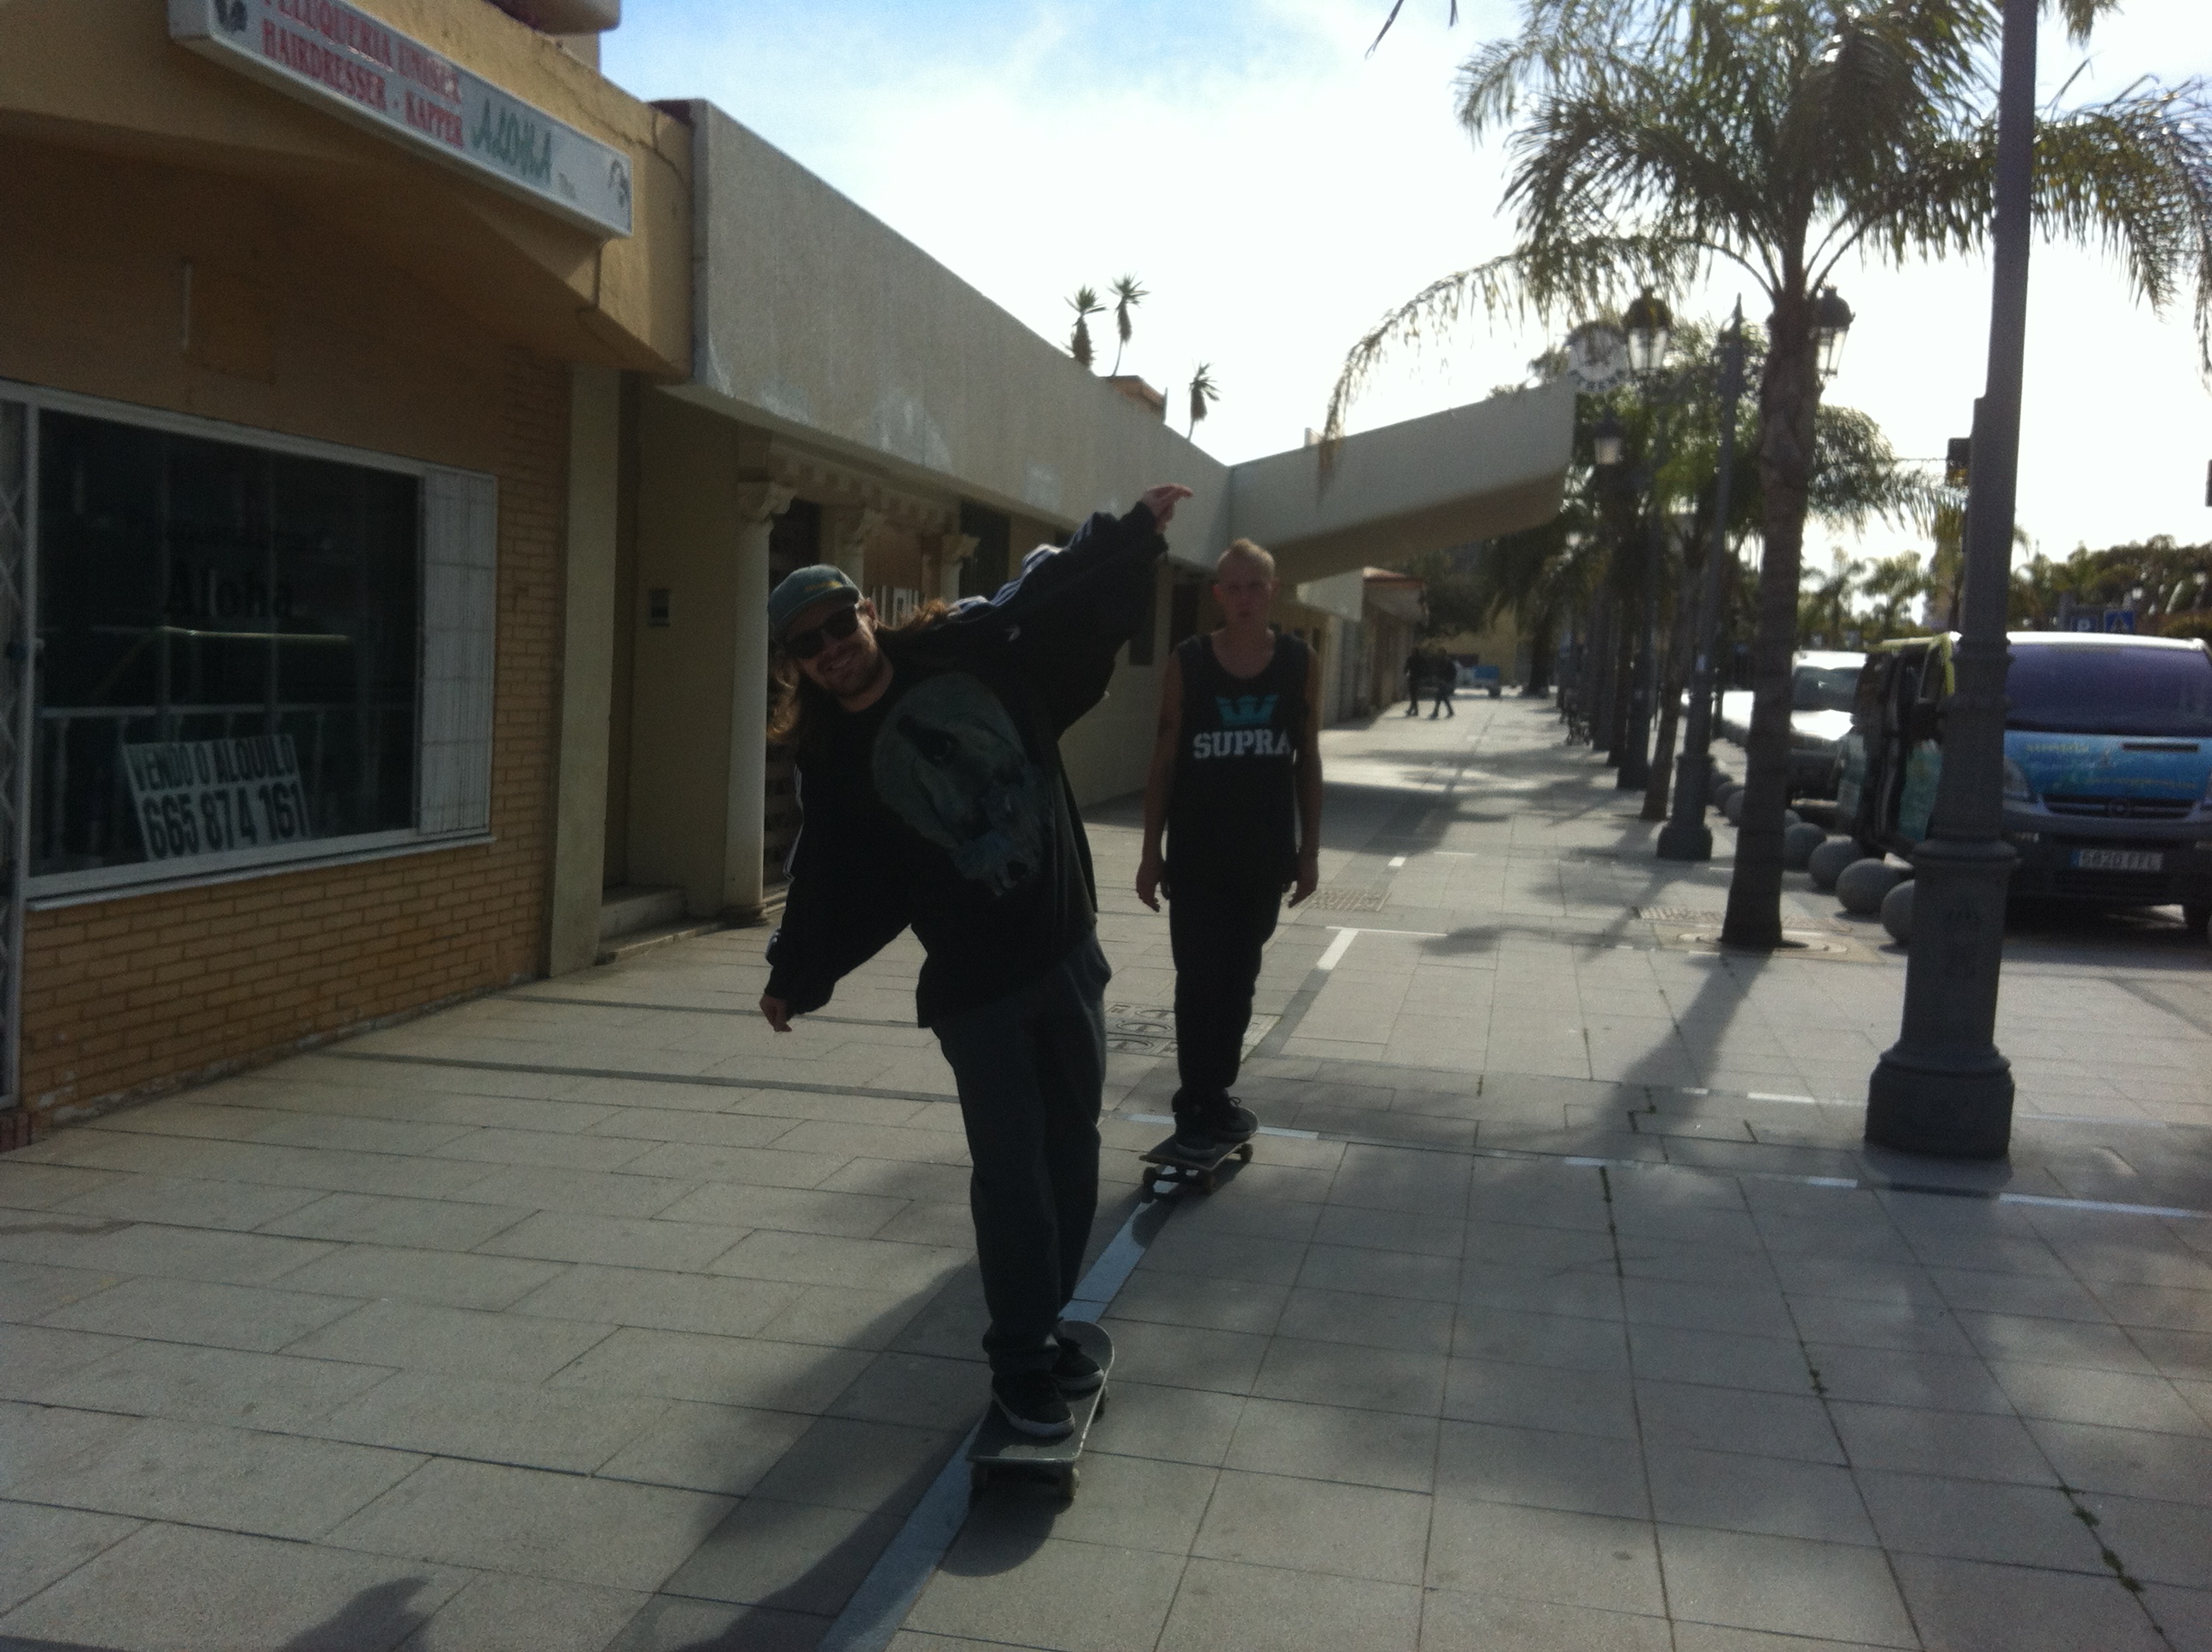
[1278, 189]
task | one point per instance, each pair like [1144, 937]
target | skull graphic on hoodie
[948, 762]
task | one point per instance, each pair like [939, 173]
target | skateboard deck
[1003, 1451]
[1176, 1171]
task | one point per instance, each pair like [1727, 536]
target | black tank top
[1235, 806]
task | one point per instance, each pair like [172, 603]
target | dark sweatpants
[1031, 1068]
[1216, 927]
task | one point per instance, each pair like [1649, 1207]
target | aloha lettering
[512, 140]
[1242, 743]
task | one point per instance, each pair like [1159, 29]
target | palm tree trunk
[1596, 683]
[1655, 792]
[1540, 660]
[1622, 685]
[1787, 401]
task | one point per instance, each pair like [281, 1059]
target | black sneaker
[1194, 1137]
[1075, 1372]
[1231, 1123]
[1032, 1402]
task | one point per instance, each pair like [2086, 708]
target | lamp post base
[1681, 840]
[1686, 836]
[1946, 1111]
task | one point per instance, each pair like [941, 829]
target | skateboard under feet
[1001, 1451]
[1178, 1169]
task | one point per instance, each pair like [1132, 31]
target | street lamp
[1609, 442]
[1685, 836]
[1650, 327]
[1832, 324]
[1944, 1088]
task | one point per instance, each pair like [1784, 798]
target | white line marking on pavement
[1337, 948]
[1801, 1100]
[2099, 1204]
[1396, 861]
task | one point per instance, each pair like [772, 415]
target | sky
[1277, 188]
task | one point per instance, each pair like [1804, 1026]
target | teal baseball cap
[801, 589]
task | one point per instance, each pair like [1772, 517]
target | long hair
[798, 707]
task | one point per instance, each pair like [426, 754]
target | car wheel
[2197, 918]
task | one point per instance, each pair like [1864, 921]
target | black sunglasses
[804, 645]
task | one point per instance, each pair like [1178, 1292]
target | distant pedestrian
[1235, 786]
[930, 777]
[1443, 677]
[1417, 679]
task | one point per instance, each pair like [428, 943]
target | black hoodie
[944, 804]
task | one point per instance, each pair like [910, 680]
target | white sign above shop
[342, 59]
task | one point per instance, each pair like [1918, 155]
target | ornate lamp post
[1944, 1088]
[1685, 836]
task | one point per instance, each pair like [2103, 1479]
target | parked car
[2108, 763]
[1822, 685]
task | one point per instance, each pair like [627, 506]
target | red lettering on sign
[320, 64]
[340, 24]
[443, 124]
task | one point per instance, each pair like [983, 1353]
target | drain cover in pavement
[1676, 915]
[1346, 900]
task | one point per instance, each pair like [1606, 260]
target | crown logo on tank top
[1247, 710]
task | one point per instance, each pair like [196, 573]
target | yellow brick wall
[145, 992]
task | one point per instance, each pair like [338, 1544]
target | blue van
[2108, 763]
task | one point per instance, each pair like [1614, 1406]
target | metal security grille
[1346, 900]
[1677, 915]
[16, 471]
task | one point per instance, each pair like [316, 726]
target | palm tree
[1127, 296]
[1654, 139]
[1892, 582]
[1202, 391]
[1086, 305]
[1824, 612]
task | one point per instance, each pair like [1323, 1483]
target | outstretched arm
[1159, 782]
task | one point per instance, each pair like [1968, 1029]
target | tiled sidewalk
[593, 1315]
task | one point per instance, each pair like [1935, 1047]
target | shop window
[250, 654]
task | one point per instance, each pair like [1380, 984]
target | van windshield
[1823, 687]
[2117, 690]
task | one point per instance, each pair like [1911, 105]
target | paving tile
[802, 1556]
[839, 1317]
[2157, 1309]
[1977, 1520]
[1541, 1397]
[270, 1483]
[1510, 1245]
[1066, 1597]
[676, 1246]
[1964, 1606]
[2117, 1398]
[1333, 1373]
[1525, 1290]
[520, 1520]
[385, 1219]
[703, 1448]
[667, 1624]
[1185, 1357]
[31, 1187]
[1380, 1272]
[164, 1253]
[2158, 1542]
[219, 1315]
[719, 1371]
[632, 1191]
[1742, 1310]
[659, 1301]
[1129, 1502]
[1734, 1420]
[31, 1289]
[1910, 1440]
[1895, 1377]
[40, 1546]
[2184, 1615]
[2128, 1461]
[1212, 1255]
[1216, 1304]
[846, 1463]
[833, 1259]
[454, 1281]
[1232, 1607]
[765, 1167]
[1335, 1444]
[1553, 1340]
[792, 1210]
[504, 1612]
[1374, 1321]
[40, 1440]
[233, 1206]
[1771, 1495]
[917, 1391]
[33, 1357]
[423, 1337]
[1453, 1622]
[182, 1588]
[1185, 1425]
[1312, 1526]
[275, 1391]
[1580, 1474]
[448, 1416]
[1543, 1554]
[1677, 1354]
[1419, 1231]
[1783, 1585]
[2055, 1342]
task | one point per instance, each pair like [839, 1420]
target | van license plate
[2119, 860]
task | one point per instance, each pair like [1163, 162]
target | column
[759, 503]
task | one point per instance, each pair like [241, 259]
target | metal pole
[1686, 836]
[1944, 1088]
[1636, 751]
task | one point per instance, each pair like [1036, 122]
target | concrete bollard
[1828, 861]
[1798, 843]
[1732, 807]
[1897, 912]
[1720, 785]
[1864, 883]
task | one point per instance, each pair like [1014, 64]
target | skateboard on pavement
[1181, 1170]
[1003, 1451]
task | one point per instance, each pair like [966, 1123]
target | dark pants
[1215, 925]
[1030, 1068]
[1443, 704]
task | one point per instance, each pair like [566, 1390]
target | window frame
[476, 718]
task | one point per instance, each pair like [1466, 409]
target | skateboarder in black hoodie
[933, 795]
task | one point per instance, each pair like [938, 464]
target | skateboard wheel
[1244, 1153]
[1074, 1479]
[1206, 1183]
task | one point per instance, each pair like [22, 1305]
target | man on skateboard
[933, 795]
[1234, 786]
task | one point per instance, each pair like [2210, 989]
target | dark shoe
[1194, 1136]
[1075, 1372]
[1231, 1123]
[1032, 1402]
